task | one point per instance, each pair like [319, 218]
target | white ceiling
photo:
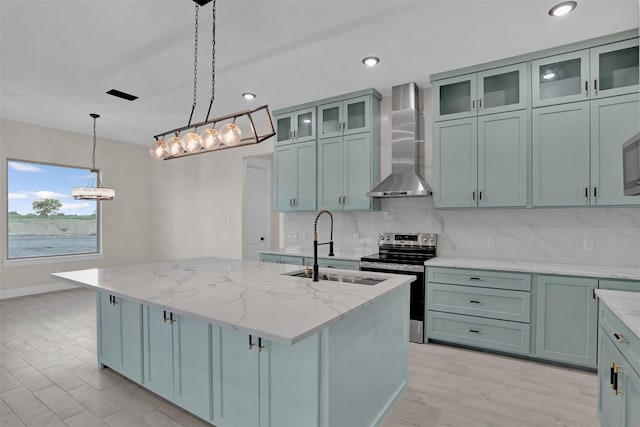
[59, 57]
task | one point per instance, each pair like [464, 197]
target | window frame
[46, 259]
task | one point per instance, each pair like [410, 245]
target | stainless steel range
[405, 253]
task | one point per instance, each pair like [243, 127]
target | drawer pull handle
[475, 278]
[251, 343]
[621, 339]
[612, 374]
[617, 370]
[475, 331]
[475, 301]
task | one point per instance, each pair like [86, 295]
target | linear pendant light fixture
[233, 130]
[98, 192]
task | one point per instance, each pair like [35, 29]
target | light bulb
[230, 134]
[157, 150]
[173, 146]
[210, 139]
[191, 142]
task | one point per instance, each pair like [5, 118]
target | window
[42, 218]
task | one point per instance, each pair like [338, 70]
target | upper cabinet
[296, 126]
[491, 91]
[344, 117]
[602, 71]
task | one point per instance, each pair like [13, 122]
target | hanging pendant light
[233, 130]
[98, 192]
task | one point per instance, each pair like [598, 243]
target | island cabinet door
[632, 397]
[610, 405]
[131, 338]
[109, 332]
[158, 352]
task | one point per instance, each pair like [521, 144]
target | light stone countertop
[322, 252]
[245, 295]
[625, 305]
[596, 271]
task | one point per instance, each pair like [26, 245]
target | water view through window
[43, 219]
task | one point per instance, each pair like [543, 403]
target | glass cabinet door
[356, 115]
[614, 69]
[559, 79]
[454, 98]
[502, 89]
[305, 129]
[330, 120]
[283, 130]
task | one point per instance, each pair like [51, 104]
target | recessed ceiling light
[563, 8]
[249, 96]
[371, 61]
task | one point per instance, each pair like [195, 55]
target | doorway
[260, 225]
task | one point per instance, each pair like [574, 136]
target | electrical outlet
[491, 241]
[587, 244]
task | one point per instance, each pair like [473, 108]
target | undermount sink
[356, 279]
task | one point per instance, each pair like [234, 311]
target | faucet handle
[331, 248]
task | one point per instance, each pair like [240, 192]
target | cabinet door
[503, 89]
[357, 115]
[561, 78]
[305, 176]
[109, 332]
[454, 98]
[610, 405]
[158, 352]
[284, 129]
[613, 122]
[330, 119]
[236, 379]
[631, 397]
[284, 185]
[561, 155]
[614, 69]
[455, 163]
[270, 258]
[330, 184]
[304, 125]
[502, 159]
[192, 365]
[131, 335]
[566, 322]
[357, 172]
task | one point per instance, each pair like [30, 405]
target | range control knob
[387, 237]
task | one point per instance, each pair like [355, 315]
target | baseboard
[33, 290]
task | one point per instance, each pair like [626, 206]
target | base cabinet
[567, 320]
[178, 360]
[120, 335]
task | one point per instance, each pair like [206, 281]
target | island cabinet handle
[473, 301]
[475, 278]
[612, 374]
[260, 346]
[475, 331]
[251, 343]
[617, 370]
[620, 338]
[171, 319]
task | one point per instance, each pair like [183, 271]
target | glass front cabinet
[344, 117]
[492, 91]
[598, 72]
[298, 126]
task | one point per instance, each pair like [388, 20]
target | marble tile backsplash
[602, 236]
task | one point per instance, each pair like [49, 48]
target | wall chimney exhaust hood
[407, 148]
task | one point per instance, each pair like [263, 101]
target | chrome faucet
[316, 244]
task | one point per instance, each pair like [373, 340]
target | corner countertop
[245, 295]
[625, 305]
[322, 253]
[596, 271]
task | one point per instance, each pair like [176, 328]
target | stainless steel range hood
[407, 148]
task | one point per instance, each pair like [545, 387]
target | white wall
[546, 235]
[125, 220]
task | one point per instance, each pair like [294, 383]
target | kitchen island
[241, 343]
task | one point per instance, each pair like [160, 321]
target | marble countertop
[245, 295]
[596, 271]
[322, 253]
[625, 305]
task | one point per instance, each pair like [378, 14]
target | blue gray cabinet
[119, 335]
[177, 359]
[344, 117]
[618, 367]
[607, 70]
[295, 177]
[566, 319]
[282, 259]
[296, 126]
[346, 172]
[330, 262]
[481, 162]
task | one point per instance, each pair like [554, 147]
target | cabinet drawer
[511, 337]
[483, 302]
[334, 263]
[619, 285]
[623, 338]
[480, 278]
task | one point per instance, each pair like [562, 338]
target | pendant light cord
[195, 67]
[213, 59]
[93, 153]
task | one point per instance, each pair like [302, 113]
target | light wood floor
[49, 377]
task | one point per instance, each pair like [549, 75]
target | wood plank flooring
[49, 377]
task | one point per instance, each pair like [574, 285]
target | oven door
[416, 299]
